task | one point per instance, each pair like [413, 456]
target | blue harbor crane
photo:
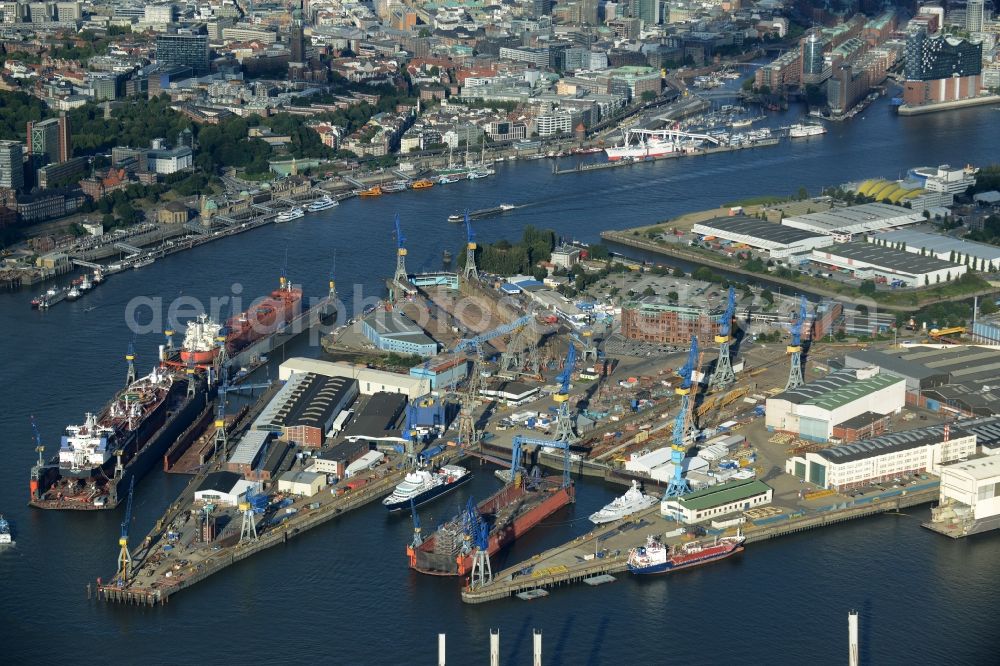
[795, 379]
[467, 435]
[482, 572]
[400, 275]
[124, 557]
[470, 273]
[723, 374]
[564, 424]
[517, 455]
[682, 422]
[417, 538]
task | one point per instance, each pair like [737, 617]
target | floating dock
[158, 573]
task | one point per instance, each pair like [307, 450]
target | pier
[604, 550]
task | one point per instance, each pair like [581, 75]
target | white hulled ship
[631, 502]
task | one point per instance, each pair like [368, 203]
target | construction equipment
[682, 423]
[588, 350]
[517, 454]
[942, 332]
[795, 379]
[467, 435]
[564, 425]
[124, 557]
[254, 500]
[470, 273]
[723, 375]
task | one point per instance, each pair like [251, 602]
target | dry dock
[605, 549]
[164, 566]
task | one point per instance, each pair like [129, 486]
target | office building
[185, 49]
[50, 139]
[974, 11]
[651, 320]
[940, 69]
[11, 165]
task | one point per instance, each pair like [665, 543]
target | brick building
[650, 320]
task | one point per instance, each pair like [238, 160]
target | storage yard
[737, 420]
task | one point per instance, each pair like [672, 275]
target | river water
[342, 594]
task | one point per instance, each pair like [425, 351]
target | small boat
[36, 302]
[6, 538]
[631, 502]
[657, 558]
[422, 184]
[73, 293]
[85, 284]
[289, 215]
[450, 178]
[446, 256]
[474, 175]
[322, 204]
[482, 213]
[375, 191]
[142, 263]
[421, 486]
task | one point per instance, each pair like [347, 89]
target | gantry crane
[130, 357]
[795, 379]
[467, 435]
[399, 277]
[470, 273]
[254, 500]
[521, 356]
[723, 374]
[124, 557]
[564, 425]
[517, 454]
[221, 436]
[482, 572]
[682, 423]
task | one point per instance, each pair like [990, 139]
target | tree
[767, 297]
[867, 287]
[678, 273]
[649, 291]
[648, 96]
[673, 296]
[803, 194]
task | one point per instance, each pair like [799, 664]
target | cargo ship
[98, 459]
[265, 318]
[657, 558]
[509, 514]
[482, 213]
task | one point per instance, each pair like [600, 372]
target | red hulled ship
[264, 318]
[509, 514]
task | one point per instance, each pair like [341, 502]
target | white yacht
[421, 486]
[632, 501]
[322, 204]
[289, 215]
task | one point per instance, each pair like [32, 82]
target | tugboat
[657, 558]
[6, 539]
[631, 502]
[73, 293]
[421, 486]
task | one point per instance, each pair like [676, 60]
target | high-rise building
[813, 61]
[296, 40]
[541, 8]
[50, 139]
[589, 11]
[974, 15]
[11, 165]
[648, 11]
[186, 49]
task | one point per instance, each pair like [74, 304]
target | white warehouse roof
[369, 381]
[855, 219]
